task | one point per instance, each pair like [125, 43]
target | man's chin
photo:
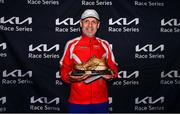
[90, 35]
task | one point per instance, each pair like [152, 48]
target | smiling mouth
[90, 29]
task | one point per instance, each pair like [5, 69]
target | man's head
[89, 22]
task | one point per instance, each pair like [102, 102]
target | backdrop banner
[144, 36]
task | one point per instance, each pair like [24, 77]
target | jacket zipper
[90, 56]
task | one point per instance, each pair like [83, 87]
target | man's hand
[108, 77]
[78, 78]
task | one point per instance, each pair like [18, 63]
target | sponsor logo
[96, 3]
[149, 3]
[67, 21]
[123, 25]
[149, 103]
[149, 48]
[149, 100]
[149, 51]
[129, 78]
[171, 22]
[124, 21]
[44, 104]
[15, 24]
[15, 20]
[124, 74]
[67, 25]
[2, 2]
[170, 74]
[84, 47]
[43, 2]
[17, 73]
[43, 47]
[170, 25]
[171, 77]
[44, 100]
[58, 80]
[43, 51]
[16, 76]
[57, 75]
[2, 100]
[3, 47]
[2, 104]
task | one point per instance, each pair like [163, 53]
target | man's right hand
[78, 78]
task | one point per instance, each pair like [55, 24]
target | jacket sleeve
[111, 60]
[66, 64]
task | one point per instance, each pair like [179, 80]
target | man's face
[89, 26]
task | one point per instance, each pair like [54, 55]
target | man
[87, 97]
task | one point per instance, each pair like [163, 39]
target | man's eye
[94, 22]
[86, 21]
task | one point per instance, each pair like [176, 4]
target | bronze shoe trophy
[94, 67]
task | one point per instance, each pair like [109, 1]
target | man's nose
[90, 25]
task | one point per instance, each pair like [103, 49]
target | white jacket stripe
[66, 47]
[76, 58]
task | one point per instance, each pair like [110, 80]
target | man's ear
[81, 23]
[98, 25]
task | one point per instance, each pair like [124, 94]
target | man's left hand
[108, 77]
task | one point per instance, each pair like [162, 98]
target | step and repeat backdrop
[145, 38]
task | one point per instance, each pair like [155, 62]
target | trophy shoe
[93, 67]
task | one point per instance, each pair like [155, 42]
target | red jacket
[79, 50]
